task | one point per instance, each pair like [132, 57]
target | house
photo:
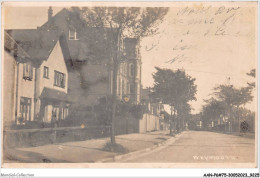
[91, 53]
[35, 77]
[69, 67]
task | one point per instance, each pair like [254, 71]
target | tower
[133, 72]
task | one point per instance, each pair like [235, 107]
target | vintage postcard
[129, 84]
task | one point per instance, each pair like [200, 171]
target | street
[152, 147]
[201, 147]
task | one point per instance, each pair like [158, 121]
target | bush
[33, 125]
[117, 148]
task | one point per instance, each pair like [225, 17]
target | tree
[248, 119]
[213, 110]
[166, 116]
[123, 21]
[174, 88]
[184, 110]
[229, 101]
[251, 74]
[233, 97]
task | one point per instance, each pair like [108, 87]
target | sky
[214, 43]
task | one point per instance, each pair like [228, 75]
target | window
[123, 87]
[72, 35]
[27, 71]
[132, 89]
[46, 72]
[59, 79]
[55, 113]
[131, 70]
[25, 109]
[65, 113]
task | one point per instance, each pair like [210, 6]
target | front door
[25, 109]
[55, 113]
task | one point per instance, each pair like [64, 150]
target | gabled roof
[35, 45]
[94, 44]
[63, 15]
[10, 45]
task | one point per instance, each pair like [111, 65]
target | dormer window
[27, 71]
[73, 35]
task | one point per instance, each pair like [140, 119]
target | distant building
[151, 107]
[152, 118]
[35, 77]
[129, 73]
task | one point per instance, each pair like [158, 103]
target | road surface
[201, 147]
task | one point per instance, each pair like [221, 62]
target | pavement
[156, 147]
[84, 151]
[201, 147]
[247, 135]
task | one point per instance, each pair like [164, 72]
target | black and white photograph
[108, 84]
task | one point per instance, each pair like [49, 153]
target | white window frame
[46, 72]
[27, 71]
[73, 35]
[59, 79]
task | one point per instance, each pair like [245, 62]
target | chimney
[50, 12]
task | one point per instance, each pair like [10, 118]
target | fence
[126, 125]
[149, 123]
[41, 136]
